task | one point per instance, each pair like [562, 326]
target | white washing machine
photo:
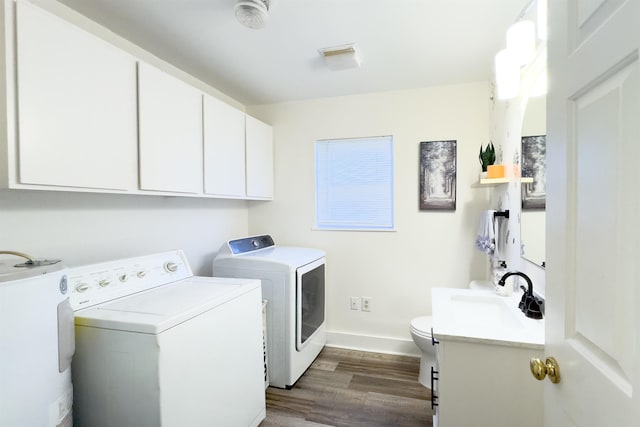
[293, 283]
[36, 345]
[157, 346]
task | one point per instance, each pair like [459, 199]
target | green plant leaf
[488, 156]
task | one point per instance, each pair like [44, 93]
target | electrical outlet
[366, 303]
[355, 303]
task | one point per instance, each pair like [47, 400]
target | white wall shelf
[494, 181]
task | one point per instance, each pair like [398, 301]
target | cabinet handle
[434, 398]
[433, 340]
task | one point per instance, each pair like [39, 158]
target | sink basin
[482, 315]
[485, 311]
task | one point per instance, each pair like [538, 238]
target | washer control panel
[97, 283]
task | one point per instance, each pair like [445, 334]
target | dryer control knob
[123, 277]
[82, 287]
[141, 273]
[104, 283]
[171, 267]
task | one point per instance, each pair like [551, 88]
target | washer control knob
[141, 273]
[104, 283]
[82, 287]
[171, 267]
[123, 277]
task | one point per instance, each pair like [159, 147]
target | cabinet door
[259, 145]
[224, 149]
[170, 132]
[76, 106]
[504, 396]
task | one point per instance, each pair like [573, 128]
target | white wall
[396, 269]
[428, 249]
[83, 228]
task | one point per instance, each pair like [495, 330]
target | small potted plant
[487, 157]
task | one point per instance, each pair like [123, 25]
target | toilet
[421, 333]
[420, 330]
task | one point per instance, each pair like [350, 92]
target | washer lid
[159, 309]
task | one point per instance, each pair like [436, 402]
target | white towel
[486, 239]
[500, 228]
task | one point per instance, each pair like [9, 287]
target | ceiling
[402, 44]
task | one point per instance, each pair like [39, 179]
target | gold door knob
[541, 369]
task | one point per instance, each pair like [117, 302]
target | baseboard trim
[372, 343]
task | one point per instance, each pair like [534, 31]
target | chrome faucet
[529, 304]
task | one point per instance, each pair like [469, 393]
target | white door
[593, 226]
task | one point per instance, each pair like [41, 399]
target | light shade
[521, 41]
[507, 74]
[340, 57]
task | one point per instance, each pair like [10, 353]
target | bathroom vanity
[484, 346]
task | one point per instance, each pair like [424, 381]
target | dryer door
[310, 297]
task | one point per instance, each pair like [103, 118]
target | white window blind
[354, 184]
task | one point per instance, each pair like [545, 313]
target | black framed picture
[438, 175]
[534, 152]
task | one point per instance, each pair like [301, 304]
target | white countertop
[484, 316]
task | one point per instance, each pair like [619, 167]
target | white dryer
[36, 344]
[293, 283]
[157, 346]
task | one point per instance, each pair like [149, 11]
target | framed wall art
[438, 175]
[534, 151]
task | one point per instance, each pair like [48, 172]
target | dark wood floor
[353, 388]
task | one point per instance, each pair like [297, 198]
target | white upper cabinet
[224, 149]
[170, 133]
[259, 145]
[76, 106]
[84, 115]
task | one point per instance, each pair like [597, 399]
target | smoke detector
[253, 13]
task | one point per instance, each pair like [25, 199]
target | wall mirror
[532, 225]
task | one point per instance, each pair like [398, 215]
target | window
[354, 184]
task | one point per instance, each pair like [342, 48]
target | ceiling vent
[341, 57]
[253, 13]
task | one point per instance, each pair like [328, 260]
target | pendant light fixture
[521, 41]
[522, 38]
